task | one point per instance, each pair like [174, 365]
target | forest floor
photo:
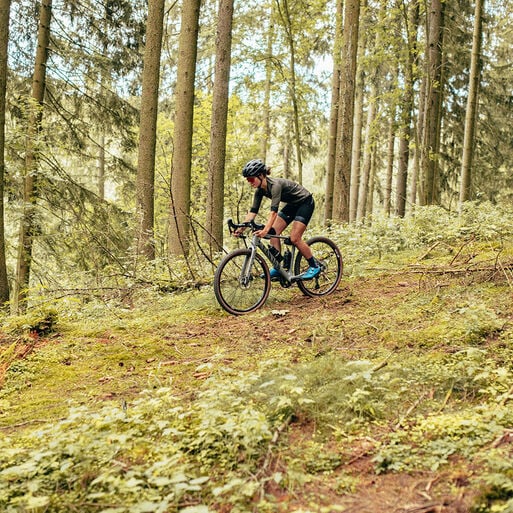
[381, 317]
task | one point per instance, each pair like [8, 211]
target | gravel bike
[242, 281]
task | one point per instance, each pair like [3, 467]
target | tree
[217, 155]
[333, 127]
[368, 147]
[410, 16]
[29, 223]
[430, 161]
[387, 196]
[5, 8]
[471, 111]
[356, 150]
[284, 12]
[179, 225]
[346, 110]
[266, 107]
[145, 182]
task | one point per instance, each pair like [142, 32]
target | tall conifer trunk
[266, 107]
[145, 182]
[5, 7]
[432, 116]
[179, 224]
[29, 223]
[406, 106]
[335, 97]
[287, 23]
[217, 155]
[346, 110]
[471, 112]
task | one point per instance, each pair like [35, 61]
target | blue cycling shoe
[274, 273]
[311, 273]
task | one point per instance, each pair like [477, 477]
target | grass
[404, 372]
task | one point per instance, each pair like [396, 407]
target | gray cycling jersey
[280, 189]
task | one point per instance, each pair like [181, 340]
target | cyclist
[298, 210]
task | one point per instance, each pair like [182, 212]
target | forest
[124, 128]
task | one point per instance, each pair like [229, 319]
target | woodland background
[124, 129]
[125, 125]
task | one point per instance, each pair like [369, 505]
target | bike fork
[245, 273]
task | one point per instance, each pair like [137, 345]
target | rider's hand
[238, 232]
[261, 233]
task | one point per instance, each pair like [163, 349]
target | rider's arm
[268, 225]
[249, 217]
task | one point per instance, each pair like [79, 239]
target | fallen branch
[410, 410]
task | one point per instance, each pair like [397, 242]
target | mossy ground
[411, 315]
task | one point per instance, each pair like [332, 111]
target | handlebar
[254, 227]
[250, 224]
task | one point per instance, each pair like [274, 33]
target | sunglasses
[252, 179]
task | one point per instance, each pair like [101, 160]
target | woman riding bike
[298, 209]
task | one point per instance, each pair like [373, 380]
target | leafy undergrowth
[391, 395]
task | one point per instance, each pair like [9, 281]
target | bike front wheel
[240, 286]
[329, 258]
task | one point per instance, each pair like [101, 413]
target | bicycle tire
[239, 298]
[328, 255]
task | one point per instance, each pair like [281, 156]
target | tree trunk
[346, 111]
[356, 152]
[363, 192]
[29, 226]
[5, 7]
[179, 225]
[431, 131]
[372, 183]
[387, 198]
[286, 151]
[266, 107]
[335, 96]
[217, 156]
[287, 23]
[418, 133]
[145, 181]
[404, 153]
[101, 165]
[407, 104]
[470, 115]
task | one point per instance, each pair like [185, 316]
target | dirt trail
[349, 320]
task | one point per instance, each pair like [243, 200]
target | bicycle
[242, 281]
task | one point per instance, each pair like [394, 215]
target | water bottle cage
[287, 257]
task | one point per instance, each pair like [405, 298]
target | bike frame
[256, 244]
[242, 282]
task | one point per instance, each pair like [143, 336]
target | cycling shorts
[302, 212]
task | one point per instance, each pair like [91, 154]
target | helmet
[254, 168]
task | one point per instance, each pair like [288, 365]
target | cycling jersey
[280, 190]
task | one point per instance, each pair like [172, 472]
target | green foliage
[497, 494]
[159, 452]
[382, 240]
[39, 321]
[430, 441]
[153, 455]
[414, 380]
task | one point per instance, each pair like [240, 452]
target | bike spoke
[237, 289]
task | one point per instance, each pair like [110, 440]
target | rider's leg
[279, 225]
[296, 237]
[303, 216]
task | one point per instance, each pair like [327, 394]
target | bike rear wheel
[237, 289]
[328, 255]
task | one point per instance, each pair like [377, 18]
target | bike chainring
[285, 283]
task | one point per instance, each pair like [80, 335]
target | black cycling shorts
[302, 212]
